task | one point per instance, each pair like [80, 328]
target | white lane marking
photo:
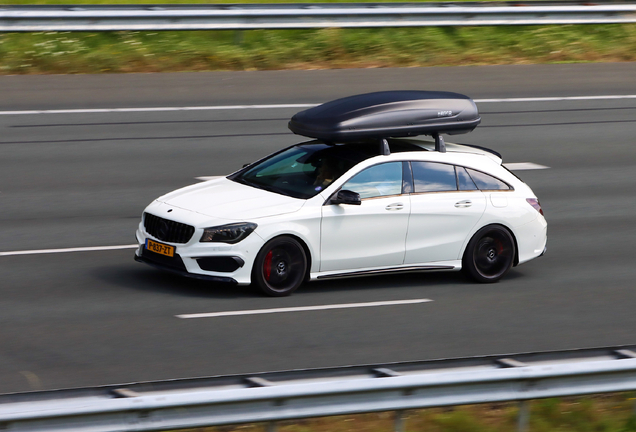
[65, 250]
[556, 99]
[520, 166]
[303, 308]
[206, 178]
[156, 109]
[280, 106]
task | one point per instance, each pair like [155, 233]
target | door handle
[395, 206]
[463, 204]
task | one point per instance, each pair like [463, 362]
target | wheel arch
[302, 242]
[515, 260]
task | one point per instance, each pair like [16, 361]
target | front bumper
[232, 262]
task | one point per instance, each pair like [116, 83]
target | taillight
[535, 203]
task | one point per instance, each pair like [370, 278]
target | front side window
[433, 177]
[377, 181]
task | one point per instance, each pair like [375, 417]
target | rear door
[445, 206]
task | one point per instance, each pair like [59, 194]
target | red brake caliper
[267, 265]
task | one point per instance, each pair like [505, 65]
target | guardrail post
[523, 417]
[398, 425]
[271, 427]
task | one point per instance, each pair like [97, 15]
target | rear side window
[487, 182]
[433, 177]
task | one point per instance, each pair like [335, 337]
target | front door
[371, 234]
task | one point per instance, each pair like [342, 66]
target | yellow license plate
[159, 248]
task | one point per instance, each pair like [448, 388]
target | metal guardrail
[309, 15]
[269, 397]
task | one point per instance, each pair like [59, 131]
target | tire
[489, 254]
[280, 267]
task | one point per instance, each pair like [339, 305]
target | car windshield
[304, 170]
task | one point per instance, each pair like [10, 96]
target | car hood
[226, 199]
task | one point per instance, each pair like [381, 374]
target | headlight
[230, 233]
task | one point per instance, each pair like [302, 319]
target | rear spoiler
[484, 149]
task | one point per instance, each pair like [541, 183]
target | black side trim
[185, 273]
[407, 178]
[386, 270]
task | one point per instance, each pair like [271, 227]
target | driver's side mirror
[346, 197]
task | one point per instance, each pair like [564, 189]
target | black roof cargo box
[387, 114]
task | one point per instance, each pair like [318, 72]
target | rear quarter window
[487, 182]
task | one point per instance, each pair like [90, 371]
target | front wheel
[280, 266]
[489, 254]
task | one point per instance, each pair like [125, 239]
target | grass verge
[608, 413]
[54, 52]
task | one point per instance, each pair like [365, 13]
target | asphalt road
[82, 179]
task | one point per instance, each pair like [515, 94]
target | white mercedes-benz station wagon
[363, 198]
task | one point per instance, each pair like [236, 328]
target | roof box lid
[388, 114]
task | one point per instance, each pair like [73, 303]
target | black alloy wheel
[489, 254]
[280, 267]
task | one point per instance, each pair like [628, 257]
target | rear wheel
[489, 254]
[280, 266]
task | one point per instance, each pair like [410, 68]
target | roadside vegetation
[610, 413]
[55, 52]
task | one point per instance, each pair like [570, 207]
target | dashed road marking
[521, 166]
[556, 99]
[66, 250]
[206, 178]
[303, 308]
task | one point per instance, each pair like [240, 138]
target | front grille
[167, 230]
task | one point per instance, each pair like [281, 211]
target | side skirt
[386, 271]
